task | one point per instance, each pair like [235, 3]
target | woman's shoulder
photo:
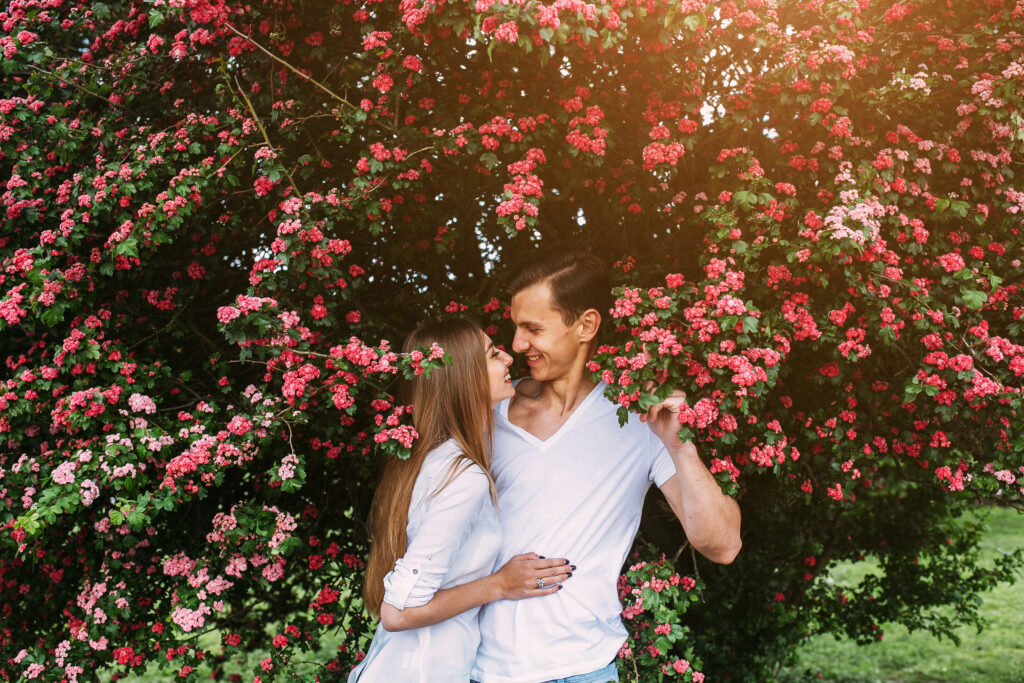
[442, 454]
[446, 462]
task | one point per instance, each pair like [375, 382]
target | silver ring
[540, 583]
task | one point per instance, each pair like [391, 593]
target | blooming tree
[219, 217]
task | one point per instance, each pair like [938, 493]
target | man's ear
[589, 323]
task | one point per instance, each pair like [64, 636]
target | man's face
[551, 347]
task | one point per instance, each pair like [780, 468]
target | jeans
[608, 673]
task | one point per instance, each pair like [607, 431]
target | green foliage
[899, 654]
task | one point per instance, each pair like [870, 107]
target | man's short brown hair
[578, 281]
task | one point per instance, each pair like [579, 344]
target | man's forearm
[710, 518]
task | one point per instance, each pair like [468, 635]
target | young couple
[547, 470]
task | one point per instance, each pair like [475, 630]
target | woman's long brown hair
[453, 403]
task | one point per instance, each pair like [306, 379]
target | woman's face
[497, 372]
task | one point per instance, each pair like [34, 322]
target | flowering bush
[218, 217]
[654, 598]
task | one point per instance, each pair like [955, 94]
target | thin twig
[109, 70]
[291, 444]
[172, 408]
[202, 335]
[192, 391]
[291, 68]
[78, 87]
[159, 331]
[684, 546]
[424, 149]
[263, 131]
[979, 366]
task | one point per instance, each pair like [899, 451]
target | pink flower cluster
[521, 195]
[140, 403]
[243, 306]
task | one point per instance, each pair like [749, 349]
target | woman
[435, 535]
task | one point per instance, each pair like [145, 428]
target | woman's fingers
[544, 577]
[541, 592]
[536, 576]
[526, 556]
[556, 571]
[547, 562]
[542, 586]
[552, 579]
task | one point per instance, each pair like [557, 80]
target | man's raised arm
[710, 518]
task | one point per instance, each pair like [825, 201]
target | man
[571, 483]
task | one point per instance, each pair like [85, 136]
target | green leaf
[29, 523]
[129, 248]
[646, 401]
[53, 315]
[623, 415]
[974, 298]
[489, 159]
[695, 22]
[137, 519]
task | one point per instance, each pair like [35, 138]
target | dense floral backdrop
[219, 218]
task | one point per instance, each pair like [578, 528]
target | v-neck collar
[544, 444]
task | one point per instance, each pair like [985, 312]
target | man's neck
[563, 394]
[542, 408]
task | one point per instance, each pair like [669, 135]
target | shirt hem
[549, 674]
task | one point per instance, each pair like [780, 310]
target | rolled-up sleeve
[447, 518]
[662, 466]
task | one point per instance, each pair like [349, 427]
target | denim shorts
[609, 674]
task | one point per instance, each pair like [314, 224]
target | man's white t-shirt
[578, 495]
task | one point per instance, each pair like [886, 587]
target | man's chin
[541, 375]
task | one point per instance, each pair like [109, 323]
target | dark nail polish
[568, 575]
[542, 557]
[559, 586]
[567, 561]
[572, 567]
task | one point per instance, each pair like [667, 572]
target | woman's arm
[514, 581]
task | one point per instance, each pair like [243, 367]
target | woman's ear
[589, 323]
